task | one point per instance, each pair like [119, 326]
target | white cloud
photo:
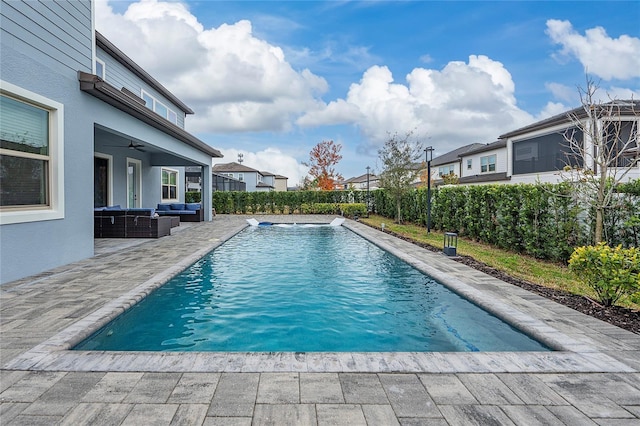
[336, 112]
[553, 108]
[426, 59]
[614, 92]
[606, 57]
[461, 104]
[270, 160]
[564, 93]
[233, 80]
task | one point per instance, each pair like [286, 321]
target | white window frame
[144, 94]
[489, 163]
[55, 209]
[177, 173]
[469, 163]
[155, 102]
[104, 68]
[172, 116]
[241, 177]
[450, 168]
[137, 164]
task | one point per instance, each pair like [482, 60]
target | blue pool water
[305, 289]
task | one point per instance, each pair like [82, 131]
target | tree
[401, 166]
[602, 146]
[322, 159]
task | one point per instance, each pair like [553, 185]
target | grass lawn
[517, 265]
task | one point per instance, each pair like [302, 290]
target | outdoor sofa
[117, 222]
[187, 212]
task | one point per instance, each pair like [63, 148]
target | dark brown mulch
[616, 315]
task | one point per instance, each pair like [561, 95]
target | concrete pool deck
[593, 379]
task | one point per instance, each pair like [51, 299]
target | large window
[446, 170]
[169, 184]
[621, 136]
[488, 164]
[159, 108]
[547, 153]
[30, 156]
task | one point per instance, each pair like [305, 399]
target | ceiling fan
[132, 145]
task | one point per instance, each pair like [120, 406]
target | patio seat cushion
[188, 212]
[141, 212]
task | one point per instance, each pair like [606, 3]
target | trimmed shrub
[192, 197]
[353, 209]
[611, 272]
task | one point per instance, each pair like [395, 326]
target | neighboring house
[359, 183]
[254, 179]
[484, 164]
[450, 163]
[266, 181]
[193, 179]
[281, 183]
[226, 183]
[536, 153]
[82, 126]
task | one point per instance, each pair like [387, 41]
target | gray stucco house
[82, 126]
[255, 180]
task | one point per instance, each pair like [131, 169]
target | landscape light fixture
[428, 151]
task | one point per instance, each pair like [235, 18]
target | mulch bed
[616, 315]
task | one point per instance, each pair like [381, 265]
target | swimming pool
[305, 289]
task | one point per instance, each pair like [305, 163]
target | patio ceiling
[109, 141]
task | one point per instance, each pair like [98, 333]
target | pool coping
[576, 351]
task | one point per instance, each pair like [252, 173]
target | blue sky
[271, 79]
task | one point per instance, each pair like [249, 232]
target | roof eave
[102, 90]
[103, 43]
[627, 108]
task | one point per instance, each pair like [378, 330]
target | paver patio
[593, 379]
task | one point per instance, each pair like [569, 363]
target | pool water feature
[305, 289]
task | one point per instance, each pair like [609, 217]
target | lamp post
[368, 168]
[428, 151]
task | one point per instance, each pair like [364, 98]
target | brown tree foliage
[322, 159]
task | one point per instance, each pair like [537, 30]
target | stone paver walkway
[593, 377]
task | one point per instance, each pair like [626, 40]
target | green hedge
[543, 220]
[284, 202]
[540, 220]
[192, 197]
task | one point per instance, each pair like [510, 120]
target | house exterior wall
[281, 184]
[551, 176]
[501, 162]
[43, 45]
[251, 179]
[435, 170]
[117, 75]
[269, 180]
